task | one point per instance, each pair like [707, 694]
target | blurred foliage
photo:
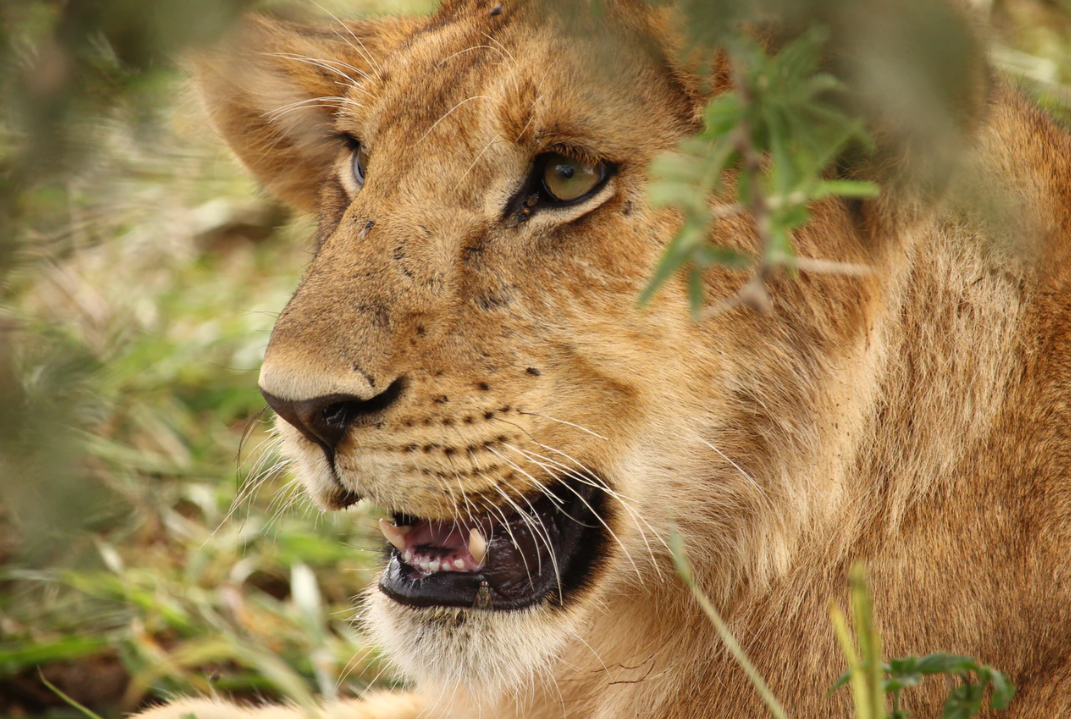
[776, 110]
[140, 274]
[140, 271]
[806, 78]
[140, 332]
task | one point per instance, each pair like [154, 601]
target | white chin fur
[494, 652]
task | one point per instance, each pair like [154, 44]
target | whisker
[597, 516]
[315, 62]
[562, 421]
[761, 490]
[447, 114]
[545, 535]
[485, 148]
[589, 476]
[364, 50]
[509, 530]
[323, 101]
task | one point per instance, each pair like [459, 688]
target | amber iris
[567, 180]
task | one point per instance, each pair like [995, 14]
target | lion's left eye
[360, 163]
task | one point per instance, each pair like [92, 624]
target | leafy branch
[872, 679]
[777, 133]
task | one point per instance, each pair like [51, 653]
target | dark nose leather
[324, 420]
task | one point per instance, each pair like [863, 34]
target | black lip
[576, 536]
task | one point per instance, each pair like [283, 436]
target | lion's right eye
[360, 162]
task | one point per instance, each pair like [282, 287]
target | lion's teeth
[408, 556]
[459, 564]
[394, 535]
[477, 545]
[433, 565]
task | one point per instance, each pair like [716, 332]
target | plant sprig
[778, 134]
[872, 680]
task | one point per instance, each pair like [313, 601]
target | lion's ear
[273, 89]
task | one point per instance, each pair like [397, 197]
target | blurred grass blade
[869, 641]
[684, 569]
[860, 688]
[85, 710]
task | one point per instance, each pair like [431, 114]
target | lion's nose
[324, 420]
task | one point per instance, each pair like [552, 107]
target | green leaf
[964, 702]
[791, 217]
[845, 188]
[902, 665]
[945, 664]
[722, 115]
[841, 681]
[1003, 690]
[16, 656]
[695, 288]
[781, 248]
[895, 684]
[708, 254]
[673, 258]
[665, 193]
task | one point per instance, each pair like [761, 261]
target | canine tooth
[433, 565]
[459, 564]
[408, 556]
[477, 545]
[393, 534]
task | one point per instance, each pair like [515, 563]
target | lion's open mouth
[531, 549]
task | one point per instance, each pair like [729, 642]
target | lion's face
[466, 350]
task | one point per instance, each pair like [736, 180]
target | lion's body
[917, 418]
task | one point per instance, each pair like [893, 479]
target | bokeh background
[151, 542]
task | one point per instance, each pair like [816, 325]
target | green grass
[130, 537]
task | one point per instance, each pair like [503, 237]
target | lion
[465, 352]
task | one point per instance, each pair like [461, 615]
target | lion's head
[466, 352]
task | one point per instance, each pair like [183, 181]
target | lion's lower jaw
[491, 653]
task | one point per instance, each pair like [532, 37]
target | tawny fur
[917, 419]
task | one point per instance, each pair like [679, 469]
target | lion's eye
[567, 180]
[360, 162]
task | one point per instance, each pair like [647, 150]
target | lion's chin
[492, 652]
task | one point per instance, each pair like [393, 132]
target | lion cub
[465, 351]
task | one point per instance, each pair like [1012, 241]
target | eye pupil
[566, 171]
